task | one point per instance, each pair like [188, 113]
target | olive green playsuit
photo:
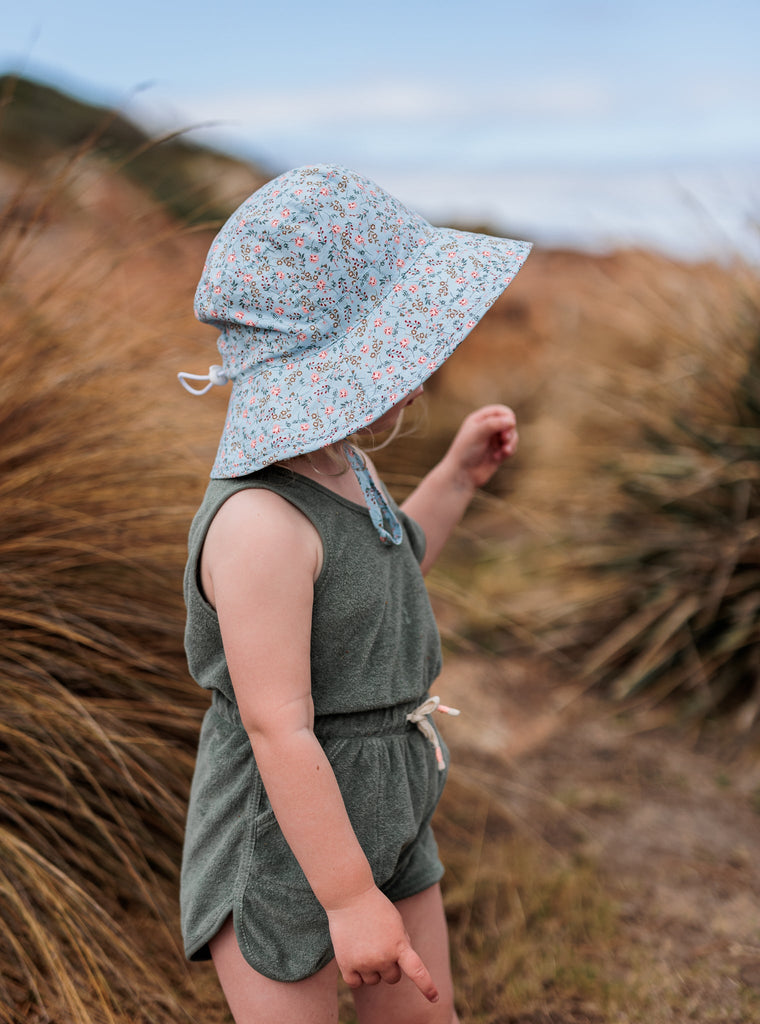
[375, 650]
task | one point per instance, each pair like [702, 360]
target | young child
[308, 848]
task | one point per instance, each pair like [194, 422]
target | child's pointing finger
[416, 971]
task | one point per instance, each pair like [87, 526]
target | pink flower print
[429, 269]
[463, 302]
[343, 393]
[373, 282]
[231, 258]
[404, 342]
[285, 213]
[400, 263]
[460, 280]
[217, 290]
[280, 274]
[301, 336]
[451, 255]
[396, 239]
[397, 287]
[388, 330]
[298, 191]
[390, 370]
[257, 248]
[290, 366]
[275, 222]
[313, 258]
[470, 323]
[321, 285]
[394, 397]
[364, 349]
[376, 375]
[378, 322]
[474, 273]
[279, 310]
[368, 419]
[314, 377]
[359, 240]
[304, 427]
[276, 428]
[434, 311]
[299, 242]
[249, 323]
[239, 315]
[329, 409]
[422, 359]
[323, 354]
[413, 289]
[247, 278]
[336, 229]
[486, 253]
[276, 192]
[352, 205]
[324, 191]
[274, 392]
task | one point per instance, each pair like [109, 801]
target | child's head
[335, 303]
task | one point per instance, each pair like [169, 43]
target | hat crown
[302, 261]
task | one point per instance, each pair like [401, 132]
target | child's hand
[485, 439]
[371, 944]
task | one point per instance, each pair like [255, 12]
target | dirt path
[673, 829]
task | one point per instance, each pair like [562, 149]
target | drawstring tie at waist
[419, 717]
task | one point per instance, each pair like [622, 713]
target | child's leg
[252, 998]
[403, 1003]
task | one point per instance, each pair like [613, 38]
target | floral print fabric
[334, 302]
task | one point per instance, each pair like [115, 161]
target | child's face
[388, 419]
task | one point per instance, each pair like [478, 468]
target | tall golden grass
[102, 463]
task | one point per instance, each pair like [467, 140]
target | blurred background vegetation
[622, 549]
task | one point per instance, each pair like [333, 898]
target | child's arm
[260, 560]
[485, 439]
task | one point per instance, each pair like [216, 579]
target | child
[308, 848]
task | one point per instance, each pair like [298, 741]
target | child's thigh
[253, 998]
[403, 1003]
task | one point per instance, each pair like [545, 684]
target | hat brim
[358, 376]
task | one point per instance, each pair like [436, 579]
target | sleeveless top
[374, 640]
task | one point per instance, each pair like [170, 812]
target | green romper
[375, 650]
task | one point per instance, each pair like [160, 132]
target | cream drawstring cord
[215, 375]
[419, 717]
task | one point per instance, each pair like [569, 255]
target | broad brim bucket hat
[334, 302]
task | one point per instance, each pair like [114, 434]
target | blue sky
[456, 103]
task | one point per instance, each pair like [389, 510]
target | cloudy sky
[589, 123]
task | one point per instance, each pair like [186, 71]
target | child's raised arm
[485, 439]
[260, 560]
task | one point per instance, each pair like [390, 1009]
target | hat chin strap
[383, 518]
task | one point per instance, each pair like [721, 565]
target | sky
[584, 123]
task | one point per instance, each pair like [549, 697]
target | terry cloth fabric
[375, 652]
[334, 302]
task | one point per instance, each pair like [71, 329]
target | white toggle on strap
[419, 717]
[215, 375]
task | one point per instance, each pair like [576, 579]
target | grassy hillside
[635, 382]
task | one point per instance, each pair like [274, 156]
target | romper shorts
[391, 783]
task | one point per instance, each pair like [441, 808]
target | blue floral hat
[334, 302]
